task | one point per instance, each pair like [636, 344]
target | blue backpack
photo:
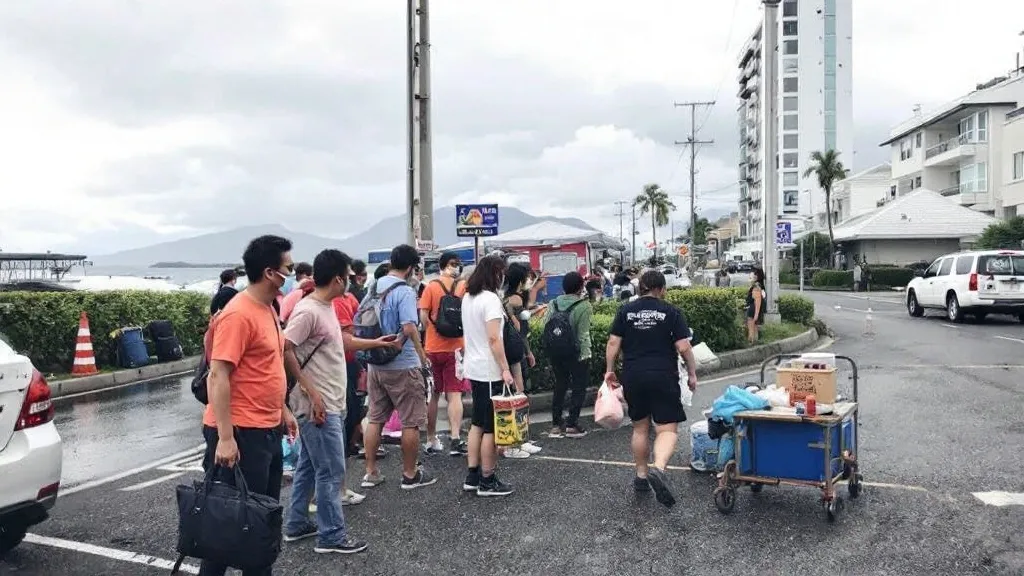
[367, 326]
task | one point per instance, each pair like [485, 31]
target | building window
[789, 8]
[917, 182]
[791, 160]
[790, 201]
[790, 66]
[906, 149]
[965, 129]
[830, 120]
[830, 25]
[790, 122]
[790, 179]
[917, 140]
[1018, 165]
[830, 100]
[789, 84]
[974, 178]
[789, 47]
[892, 191]
[830, 140]
[983, 126]
[830, 45]
[790, 104]
[789, 28]
[790, 142]
[830, 82]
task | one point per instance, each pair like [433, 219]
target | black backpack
[448, 321]
[559, 338]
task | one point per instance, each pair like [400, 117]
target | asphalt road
[940, 422]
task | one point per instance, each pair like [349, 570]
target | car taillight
[38, 407]
[972, 284]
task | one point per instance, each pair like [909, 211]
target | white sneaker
[352, 498]
[434, 446]
[531, 447]
[516, 453]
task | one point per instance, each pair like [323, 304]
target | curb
[110, 380]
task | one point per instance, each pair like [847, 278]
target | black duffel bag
[226, 524]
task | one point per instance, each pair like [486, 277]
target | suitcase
[160, 329]
[131, 348]
[168, 349]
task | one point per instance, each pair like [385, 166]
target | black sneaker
[307, 531]
[458, 447]
[492, 487]
[421, 479]
[381, 453]
[641, 484]
[662, 490]
[472, 483]
[347, 546]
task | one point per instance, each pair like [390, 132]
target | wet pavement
[940, 421]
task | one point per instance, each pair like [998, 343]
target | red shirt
[345, 307]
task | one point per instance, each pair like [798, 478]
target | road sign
[783, 232]
[476, 220]
[425, 245]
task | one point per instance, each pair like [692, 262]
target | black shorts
[653, 395]
[483, 409]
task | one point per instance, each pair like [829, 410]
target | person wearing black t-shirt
[651, 334]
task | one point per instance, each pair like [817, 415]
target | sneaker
[352, 498]
[492, 487]
[576, 431]
[531, 447]
[515, 453]
[458, 447]
[641, 484]
[347, 546]
[662, 490]
[556, 432]
[420, 480]
[372, 480]
[381, 453]
[308, 531]
[433, 447]
[472, 483]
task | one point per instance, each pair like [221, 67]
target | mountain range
[227, 246]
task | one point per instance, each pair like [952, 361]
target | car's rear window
[1001, 265]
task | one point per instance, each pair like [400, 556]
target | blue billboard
[476, 220]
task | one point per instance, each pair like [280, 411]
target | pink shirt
[293, 297]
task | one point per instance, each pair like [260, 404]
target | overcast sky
[124, 123]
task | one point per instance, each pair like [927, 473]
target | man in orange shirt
[246, 384]
[441, 351]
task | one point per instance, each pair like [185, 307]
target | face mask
[287, 282]
[529, 284]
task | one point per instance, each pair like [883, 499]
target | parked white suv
[971, 283]
[30, 448]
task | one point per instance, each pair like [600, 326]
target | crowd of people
[310, 364]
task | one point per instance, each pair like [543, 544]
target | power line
[692, 142]
[726, 69]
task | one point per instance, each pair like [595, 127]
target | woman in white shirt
[487, 369]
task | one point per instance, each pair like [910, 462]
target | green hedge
[44, 325]
[890, 276]
[833, 279]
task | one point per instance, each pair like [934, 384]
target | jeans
[260, 460]
[571, 376]
[321, 467]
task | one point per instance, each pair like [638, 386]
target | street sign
[425, 245]
[473, 220]
[783, 232]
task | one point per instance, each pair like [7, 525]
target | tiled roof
[919, 214]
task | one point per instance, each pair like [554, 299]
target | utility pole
[692, 142]
[770, 254]
[632, 242]
[621, 213]
[420, 186]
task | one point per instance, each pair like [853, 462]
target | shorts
[653, 395]
[442, 365]
[483, 408]
[404, 391]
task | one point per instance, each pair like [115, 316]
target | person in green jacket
[571, 374]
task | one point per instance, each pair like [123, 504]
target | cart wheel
[855, 486]
[756, 488]
[833, 507]
[725, 499]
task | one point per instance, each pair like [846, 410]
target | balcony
[951, 191]
[1013, 114]
[951, 152]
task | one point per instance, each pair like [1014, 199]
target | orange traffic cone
[85, 361]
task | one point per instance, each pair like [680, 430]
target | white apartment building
[858, 194]
[965, 149]
[815, 108]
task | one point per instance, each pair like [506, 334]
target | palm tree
[655, 201]
[829, 170]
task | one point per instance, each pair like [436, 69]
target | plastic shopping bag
[685, 394]
[608, 411]
[511, 418]
[460, 369]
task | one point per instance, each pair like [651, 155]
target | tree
[817, 252]
[828, 169]
[654, 201]
[1008, 234]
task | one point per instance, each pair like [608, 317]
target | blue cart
[782, 448]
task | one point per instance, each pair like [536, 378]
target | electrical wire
[727, 69]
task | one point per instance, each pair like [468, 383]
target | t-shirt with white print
[479, 363]
[311, 323]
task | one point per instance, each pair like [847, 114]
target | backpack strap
[444, 288]
[574, 304]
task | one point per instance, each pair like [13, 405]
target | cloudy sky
[124, 122]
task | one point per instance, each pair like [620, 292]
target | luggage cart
[795, 450]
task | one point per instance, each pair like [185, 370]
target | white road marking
[111, 553]
[154, 482]
[1010, 339]
[951, 326]
[998, 498]
[193, 463]
[121, 475]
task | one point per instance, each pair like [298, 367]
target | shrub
[889, 276]
[43, 325]
[833, 279]
[796, 309]
[790, 278]
[608, 307]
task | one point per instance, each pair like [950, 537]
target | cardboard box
[800, 382]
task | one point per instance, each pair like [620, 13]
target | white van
[971, 283]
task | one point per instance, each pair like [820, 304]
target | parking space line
[121, 475]
[154, 482]
[111, 553]
[950, 325]
[1010, 339]
[998, 498]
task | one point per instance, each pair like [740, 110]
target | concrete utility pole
[632, 241]
[621, 213]
[420, 201]
[770, 254]
[692, 142]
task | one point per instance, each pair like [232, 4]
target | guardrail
[951, 144]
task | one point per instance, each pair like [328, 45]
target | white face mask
[529, 284]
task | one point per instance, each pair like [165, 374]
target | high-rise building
[815, 109]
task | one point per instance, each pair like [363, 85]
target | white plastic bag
[608, 409]
[703, 354]
[777, 397]
[685, 394]
[460, 370]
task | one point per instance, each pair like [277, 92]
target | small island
[193, 265]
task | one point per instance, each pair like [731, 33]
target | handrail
[951, 144]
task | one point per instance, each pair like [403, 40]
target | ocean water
[178, 276]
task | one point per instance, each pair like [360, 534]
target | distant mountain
[227, 246]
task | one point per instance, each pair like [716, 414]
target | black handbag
[515, 348]
[226, 524]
